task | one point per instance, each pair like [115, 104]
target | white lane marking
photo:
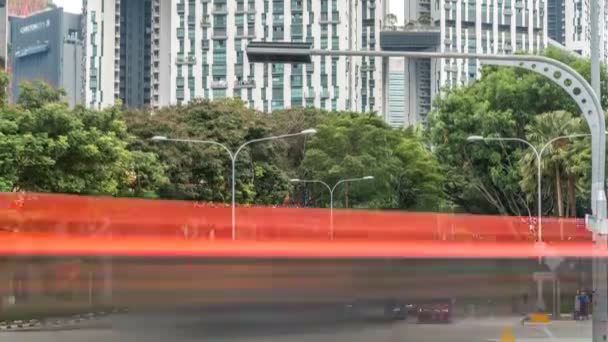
[548, 332]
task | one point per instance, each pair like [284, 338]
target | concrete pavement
[300, 326]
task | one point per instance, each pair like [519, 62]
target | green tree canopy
[203, 172]
[45, 146]
[485, 177]
[37, 94]
[4, 82]
[351, 145]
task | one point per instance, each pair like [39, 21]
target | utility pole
[599, 265]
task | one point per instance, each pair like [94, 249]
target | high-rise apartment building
[556, 20]
[101, 32]
[396, 113]
[487, 26]
[467, 26]
[569, 24]
[135, 52]
[3, 34]
[417, 34]
[158, 53]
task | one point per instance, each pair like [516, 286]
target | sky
[72, 6]
[75, 6]
[397, 8]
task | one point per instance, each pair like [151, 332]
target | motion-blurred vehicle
[435, 312]
[395, 310]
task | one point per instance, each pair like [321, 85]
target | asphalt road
[297, 326]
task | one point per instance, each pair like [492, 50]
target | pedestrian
[524, 300]
[577, 305]
[587, 304]
[584, 305]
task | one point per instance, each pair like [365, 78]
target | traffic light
[279, 52]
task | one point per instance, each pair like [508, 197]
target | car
[435, 312]
[395, 310]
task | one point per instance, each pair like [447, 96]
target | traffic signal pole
[599, 265]
[572, 82]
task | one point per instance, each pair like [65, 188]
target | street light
[475, 138]
[331, 194]
[233, 156]
[538, 154]
[586, 97]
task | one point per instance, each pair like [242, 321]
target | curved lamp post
[538, 154]
[233, 157]
[331, 194]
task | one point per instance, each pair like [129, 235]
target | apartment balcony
[367, 67]
[240, 32]
[310, 93]
[220, 33]
[240, 8]
[242, 84]
[238, 69]
[325, 93]
[325, 19]
[219, 84]
[181, 8]
[450, 68]
[206, 21]
[188, 60]
[220, 9]
[191, 20]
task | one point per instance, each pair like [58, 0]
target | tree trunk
[558, 192]
[572, 195]
[346, 195]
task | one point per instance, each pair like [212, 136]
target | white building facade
[465, 26]
[488, 27]
[100, 62]
[569, 24]
[197, 50]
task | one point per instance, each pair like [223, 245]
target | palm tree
[390, 21]
[560, 168]
[424, 19]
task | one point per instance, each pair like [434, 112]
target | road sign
[279, 52]
[553, 263]
[596, 225]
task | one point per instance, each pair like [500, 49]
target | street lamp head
[294, 180]
[309, 131]
[475, 138]
[368, 178]
[159, 138]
